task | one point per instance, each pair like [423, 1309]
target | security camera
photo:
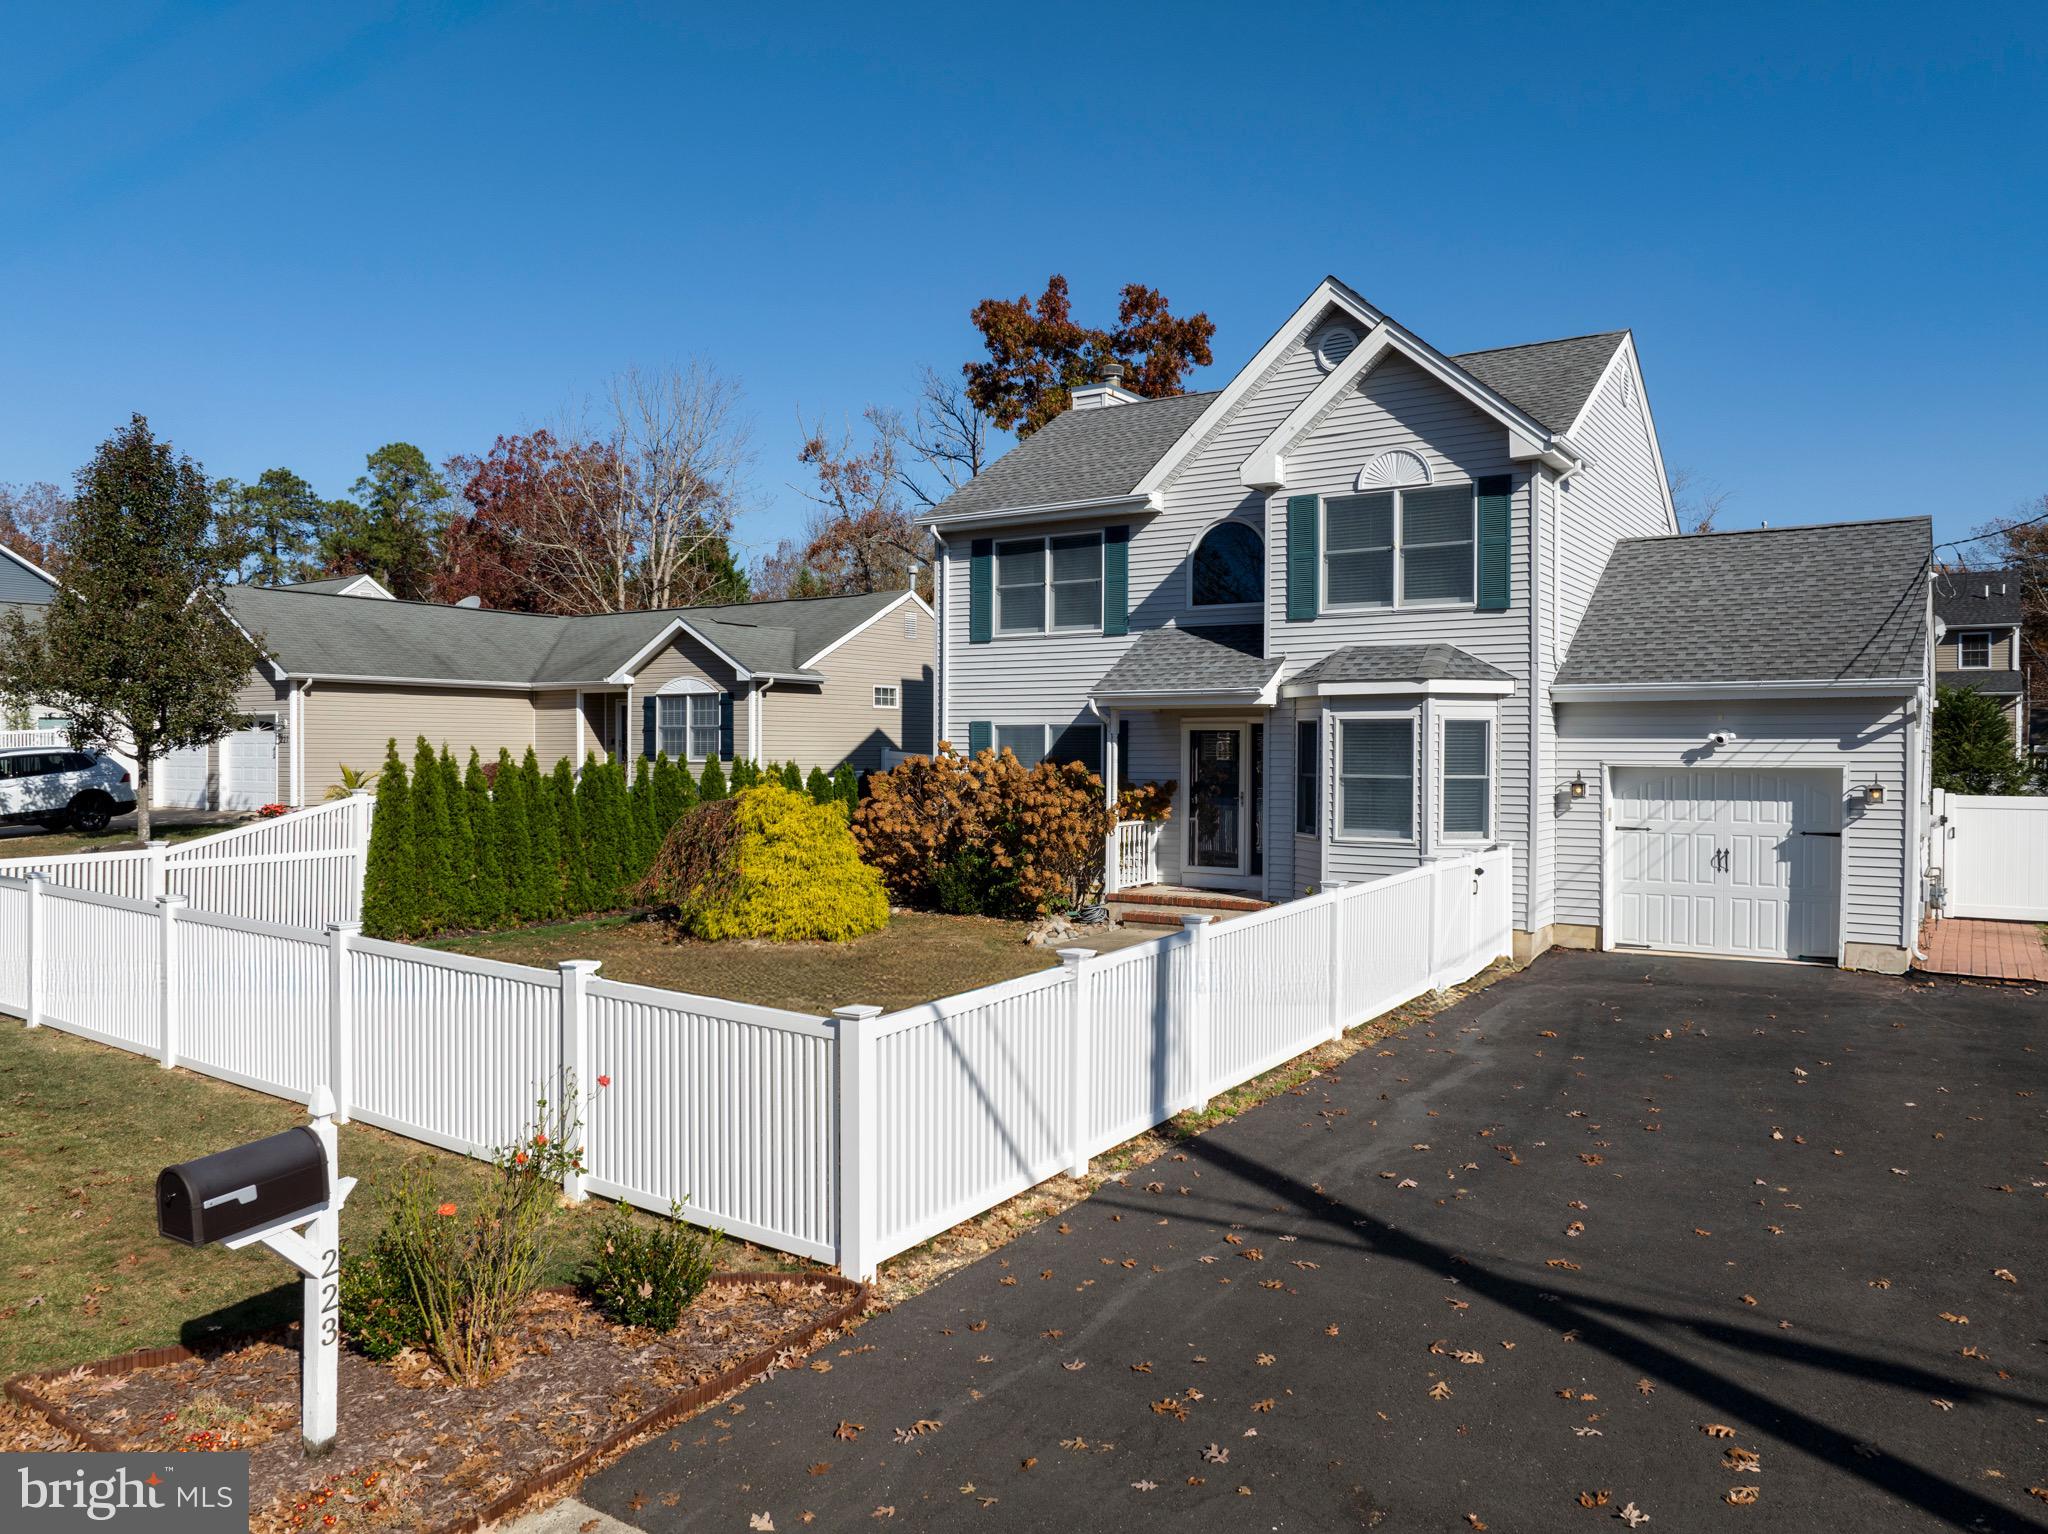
[1720, 737]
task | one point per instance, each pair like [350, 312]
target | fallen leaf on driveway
[1076, 1366]
[1144, 1486]
[1559, 1262]
[1440, 1391]
[1594, 1498]
[1717, 1430]
[1632, 1515]
[1216, 1454]
[1742, 1461]
[1953, 1319]
[2004, 1273]
[761, 1521]
[1644, 1387]
[849, 1430]
[1943, 1405]
[1880, 1283]
[1743, 1496]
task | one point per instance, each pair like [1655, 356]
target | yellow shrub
[799, 875]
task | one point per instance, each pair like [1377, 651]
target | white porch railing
[1131, 855]
[847, 1139]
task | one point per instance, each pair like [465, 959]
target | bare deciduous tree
[862, 536]
[1697, 500]
[948, 435]
[654, 481]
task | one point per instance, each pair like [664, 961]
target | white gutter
[1047, 511]
[1681, 692]
[1535, 683]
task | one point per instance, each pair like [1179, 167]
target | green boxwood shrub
[647, 1275]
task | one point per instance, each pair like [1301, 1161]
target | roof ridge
[1797, 527]
[1522, 346]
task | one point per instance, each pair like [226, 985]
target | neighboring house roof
[1840, 602]
[1993, 684]
[1081, 455]
[1217, 658]
[319, 634]
[340, 586]
[23, 581]
[1977, 598]
[1400, 663]
[1551, 380]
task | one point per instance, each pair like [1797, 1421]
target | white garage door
[1722, 860]
[248, 767]
[181, 780]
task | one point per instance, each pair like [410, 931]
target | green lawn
[916, 958]
[84, 1130]
[118, 837]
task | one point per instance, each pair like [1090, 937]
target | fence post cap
[171, 900]
[352, 928]
[321, 1103]
[1073, 956]
[156, 842]
[36, 876]
[858, 1013]
[1192, 920]
[580, 966]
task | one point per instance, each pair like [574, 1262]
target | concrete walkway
[1623, 1231]
[1985, 950]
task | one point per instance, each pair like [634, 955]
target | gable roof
[340, 586]
[1992, 683]
[1214, 658]
[1081, 455]
[311, 633]
[1400, 663]
[1838, 602]
[1550, 380]
[1977, 598]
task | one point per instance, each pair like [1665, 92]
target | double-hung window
[1400, 548]
[1973, 651]
[1308, 770]
[1376, 778]
[672, 725]
[1468, 778]
[885, 696]
[1035, 743]
[1049, 584]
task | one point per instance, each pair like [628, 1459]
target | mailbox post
[286, 1193]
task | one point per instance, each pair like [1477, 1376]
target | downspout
[942, 704]
[1915, 860]
[1537, 688]
[1111, 764]
[297, 715]
[754, 712]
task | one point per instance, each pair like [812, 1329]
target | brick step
[1189, 900]
[1150, 916]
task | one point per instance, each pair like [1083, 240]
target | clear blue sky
[291, 233]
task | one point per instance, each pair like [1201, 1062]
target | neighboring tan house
[25, 584]
[1978, 645]
[818, 682]
[1369, 605]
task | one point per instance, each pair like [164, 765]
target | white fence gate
[1992, 851]
[304, 869]
[846, 1139]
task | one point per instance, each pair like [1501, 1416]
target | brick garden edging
[22, 1388]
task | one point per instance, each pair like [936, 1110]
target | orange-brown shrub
[1033, 835]
[1147, 801]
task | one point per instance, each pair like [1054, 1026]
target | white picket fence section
[1992, 853]
[303, 869]
[847, 1139]
[1131, 855]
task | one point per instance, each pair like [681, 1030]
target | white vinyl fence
[303, 869]
[1992, 851]
[846, 1139]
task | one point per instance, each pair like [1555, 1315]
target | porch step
[1154, 905]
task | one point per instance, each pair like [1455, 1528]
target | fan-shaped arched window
[1230, 566]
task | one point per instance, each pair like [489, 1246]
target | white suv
[79, 789]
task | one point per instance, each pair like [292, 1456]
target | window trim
[895, 695]
[1048, 586]
[1440, 775]
[1308, 774]
[1399, 600]
[1333, 751]
[1226, 611]
[1048, 735]
[1990, 649]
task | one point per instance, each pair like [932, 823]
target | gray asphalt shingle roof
[1550, 380]
[1224, 657]
[1979, 598]
[332, 584]
[1080, 456]
[316, 634]
[1401, 663]
[1993, 684]
[1843, 601]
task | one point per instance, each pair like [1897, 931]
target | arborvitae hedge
[486, 848]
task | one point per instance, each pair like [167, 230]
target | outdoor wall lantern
[1874, 794]
[1578, 788]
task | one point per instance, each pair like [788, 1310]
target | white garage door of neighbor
[181, 780]
[248, 767]
[1727, 861]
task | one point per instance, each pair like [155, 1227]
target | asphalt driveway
[1621, 1231]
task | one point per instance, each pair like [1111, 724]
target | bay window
[1376, 778]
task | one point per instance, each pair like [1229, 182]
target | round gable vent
[1334, 345]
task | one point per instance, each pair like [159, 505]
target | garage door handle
[1835, 834]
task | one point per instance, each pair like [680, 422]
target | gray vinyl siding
[1865, 735]
[1617, 495]
[821, 726]
[22, 585]
[1397, 405]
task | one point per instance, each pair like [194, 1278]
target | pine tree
[540, 892]
[745, 773]
[1973, 746]
[646, 838]
[668, 797]
[430, 836]
[513, 836]
[461, 843]
[600, 832]
[792, 777]
[819, 787]
[712, 784]
[576, 883]
[489, 904]
[846, 787]
[388, 881]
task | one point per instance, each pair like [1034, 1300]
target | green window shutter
[725, 726]
[981, 591]
[1496, 543]
[647, 727]
[1116, 581]
[981, 736]
[1303, 535]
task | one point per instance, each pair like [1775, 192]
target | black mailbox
[250, 1187]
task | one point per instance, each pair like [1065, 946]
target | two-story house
[1978, 642]
[1370, 604]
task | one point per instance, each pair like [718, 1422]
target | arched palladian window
[1229, 567]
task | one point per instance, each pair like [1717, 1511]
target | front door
[1219, 779]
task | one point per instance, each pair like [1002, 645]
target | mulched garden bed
[414, 1452]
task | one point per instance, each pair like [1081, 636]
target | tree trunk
[142, 793]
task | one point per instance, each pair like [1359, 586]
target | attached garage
[248, 767]
[184, 779]
[1727, 861]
